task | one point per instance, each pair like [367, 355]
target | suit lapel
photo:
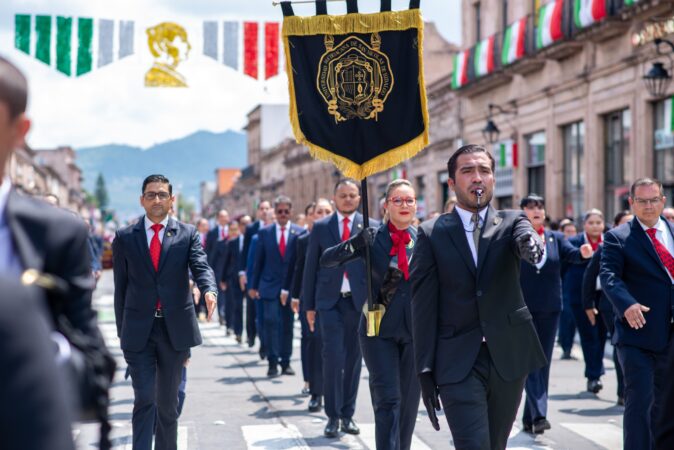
[334, 227]
[643, 238]
[457, 235]
[491, 221]
[169, 237]
[357, 224]
[28, 254]
[140, 235]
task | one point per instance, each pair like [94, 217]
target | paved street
[232, 405]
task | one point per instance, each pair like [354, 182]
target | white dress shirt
[241, 243]
[346, 286]
[664, 236]
[150, 232]
[220, 231]
[467, 220]
[286, 230]
[10, 262]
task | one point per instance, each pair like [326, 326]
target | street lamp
[658, 78]
[491, 132]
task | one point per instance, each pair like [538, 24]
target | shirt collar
[149, 223]
[287, 226]
[659, 225]
[467, 216]
[5, 187]
[340, 217]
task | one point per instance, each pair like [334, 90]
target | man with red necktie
[156, 322]
[275, 257]
[637, 275]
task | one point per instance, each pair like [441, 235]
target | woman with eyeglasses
[542, 290]
[394, 386]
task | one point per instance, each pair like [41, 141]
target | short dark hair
[13, 88]
[309, 207]
[157, 179]
[532, 200]
[466, 149]
[345, 181]
[646, 181]
[566, 223]
[618, 217]
[283, 200]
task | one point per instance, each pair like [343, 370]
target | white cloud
[111, 104]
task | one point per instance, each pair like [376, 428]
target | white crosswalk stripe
[605, 435]
[367, 435]
[273, 437]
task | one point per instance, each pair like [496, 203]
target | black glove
[364, 238]
[389, 285]
[429, 394]
[530, 247]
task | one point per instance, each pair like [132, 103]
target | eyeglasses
[398, 201]
[282, 211]
[647, 201]
[163, 196]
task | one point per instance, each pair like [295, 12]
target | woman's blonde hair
[392, 186]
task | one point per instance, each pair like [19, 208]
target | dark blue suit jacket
[271, 272]
[321, 285]
[251, 230]
[572, 277]
[631, 272]
[138, 285]
[296, 285]
[230, 267]
[397, 321]
[218, 256]
[542, 288]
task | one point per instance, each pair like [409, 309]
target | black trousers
[251, 326]
[481, 408]
[315, 358]
[394, 388]
[156, 374]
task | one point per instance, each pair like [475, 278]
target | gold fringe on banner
[358, 23]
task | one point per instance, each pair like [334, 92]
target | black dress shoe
[263, 355]
[540, 425]
[238, 339]
[316, 403]
[251, 343]
[526, 427]
[272, 372]
[594, 386]
[567, 356]
[332, 428]
[306, 392]
[349, 426]
[287, 370]
[621, 401]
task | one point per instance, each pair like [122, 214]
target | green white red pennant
[514, 42]
[588, 12]
[549, 28]
[484, 57]
[460, 75]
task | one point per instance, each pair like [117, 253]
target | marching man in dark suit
[337, 295]
[230, 279]
[637, 275]
[155, 318]
[474, 339]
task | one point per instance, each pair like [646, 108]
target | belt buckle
[345, 294]
[159, 313]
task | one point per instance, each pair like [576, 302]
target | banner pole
[368, 262]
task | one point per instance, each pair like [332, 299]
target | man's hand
[429, 394]
[186, 363]
[196, 295]
[530, 247]
[586, 251]
[284, 297]
[635, 317]
[592, 315]
[242, 282]
[311, 320]
[295, 305]
[223, 286]
[210, 304]
[252, 293]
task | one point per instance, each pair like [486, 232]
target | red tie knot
[651, 232]
[283, 229]
[156, 227]
[346, 221]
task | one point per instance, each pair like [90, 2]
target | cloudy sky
[111, 104]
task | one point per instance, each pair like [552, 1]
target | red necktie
[400, 239]
[346, 233]
[282, 243]
[662, 251]
[155, 251]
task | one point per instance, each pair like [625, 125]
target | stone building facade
[577, 124]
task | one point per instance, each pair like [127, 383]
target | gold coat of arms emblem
[354, 78]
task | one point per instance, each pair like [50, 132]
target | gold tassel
[357, 23]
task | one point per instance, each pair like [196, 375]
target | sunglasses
[282, 211]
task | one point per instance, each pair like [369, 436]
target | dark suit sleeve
[590, 293]
[119, 270]
[289, 277]
[611, 272]
[227, 266]
[258, 261]
[201, 272]
[341, 254]
[301, 251]
[311, 269]
[568, 253]
[425, 297]
[522, 230]
[247, 237]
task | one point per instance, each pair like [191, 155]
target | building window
[478, 24]
[574, 170]
[536, 163]
[617, 126]
[663, 140]
[504, 14]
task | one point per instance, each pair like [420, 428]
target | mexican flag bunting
[72, 45]
[397, 173]
[460, 74]
[549, 24]
[514, 42]
[484, 57]
[587, 12]
[669, 115]
[505, 153]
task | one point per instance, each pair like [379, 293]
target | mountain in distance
[186, 162]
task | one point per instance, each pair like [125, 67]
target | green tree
[101, 192]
